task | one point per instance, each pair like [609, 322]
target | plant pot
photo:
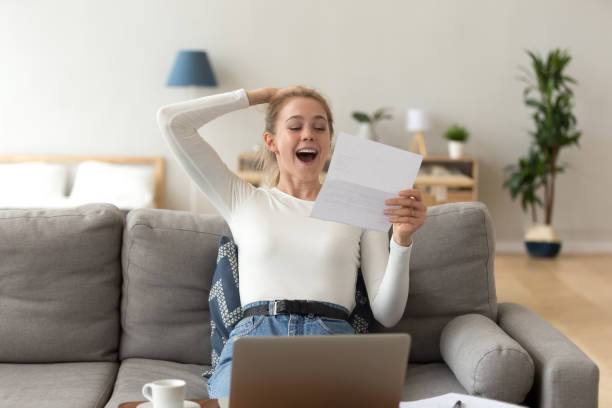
[366, 132]
[542, 241]
[455, 149]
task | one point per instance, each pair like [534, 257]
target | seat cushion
[136, 372]
[60, 275]
[429, 380]
[62, 385]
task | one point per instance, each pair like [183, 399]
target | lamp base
[418, 144]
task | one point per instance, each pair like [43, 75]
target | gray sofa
[95, 303]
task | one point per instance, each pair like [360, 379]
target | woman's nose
[307, 134]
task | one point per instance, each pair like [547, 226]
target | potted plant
[456, 136]
[549, 94]
[367, 122]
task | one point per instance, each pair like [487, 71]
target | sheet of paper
[449, 400]
[362, 174]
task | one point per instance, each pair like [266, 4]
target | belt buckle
[275, 308]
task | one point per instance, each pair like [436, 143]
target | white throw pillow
[33, 183]
[124, 185]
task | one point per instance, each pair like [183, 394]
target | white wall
[86, 77]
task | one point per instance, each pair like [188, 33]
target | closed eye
[318, 129]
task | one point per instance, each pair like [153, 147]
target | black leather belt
[300, 307]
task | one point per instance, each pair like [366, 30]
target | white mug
[165, 393]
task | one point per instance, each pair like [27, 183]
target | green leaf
[535, 104]
[361, 117]
[569, 79]
[457, 133]
[381, 114]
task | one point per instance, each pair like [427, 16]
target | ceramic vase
[366, 132]
[455, 149]
[542, 241]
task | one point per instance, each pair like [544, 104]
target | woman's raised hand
[409, 217]
[261, 95]
[264, 95]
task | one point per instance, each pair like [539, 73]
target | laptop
[319, 371]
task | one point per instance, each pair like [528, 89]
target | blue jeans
[280, 325]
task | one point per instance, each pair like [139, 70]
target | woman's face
[301, 124]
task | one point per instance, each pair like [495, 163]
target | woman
[283, 253]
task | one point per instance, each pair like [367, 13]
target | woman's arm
[388, 291]
[179, 124]
[385, 268]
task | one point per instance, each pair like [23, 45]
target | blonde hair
[266, 160]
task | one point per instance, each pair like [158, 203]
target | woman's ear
[270, 142]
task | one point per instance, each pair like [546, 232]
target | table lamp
[417, 120]
[191, 69]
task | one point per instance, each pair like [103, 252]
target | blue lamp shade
[191, 68]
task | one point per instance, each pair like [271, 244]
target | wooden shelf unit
[460, 186]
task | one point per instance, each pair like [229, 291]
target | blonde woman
[297, 273]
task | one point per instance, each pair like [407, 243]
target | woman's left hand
[408, 217]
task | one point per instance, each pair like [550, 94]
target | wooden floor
[572, 292]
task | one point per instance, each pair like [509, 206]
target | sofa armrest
[565, 377]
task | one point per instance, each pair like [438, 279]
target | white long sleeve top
[283, 252]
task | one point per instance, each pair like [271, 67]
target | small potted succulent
[456, 136]
[368, 122]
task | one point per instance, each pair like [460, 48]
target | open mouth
[307, 156]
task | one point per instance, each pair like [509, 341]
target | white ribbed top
[282, 252]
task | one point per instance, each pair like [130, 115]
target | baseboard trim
[570, 247]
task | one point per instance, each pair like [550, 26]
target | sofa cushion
[429, 380]
[136, 372]
[223, 300]
[451, 273]
[60, 282]
[168, 261]
[62, 385]
[485, 360]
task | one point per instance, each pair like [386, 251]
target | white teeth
[307, 151]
